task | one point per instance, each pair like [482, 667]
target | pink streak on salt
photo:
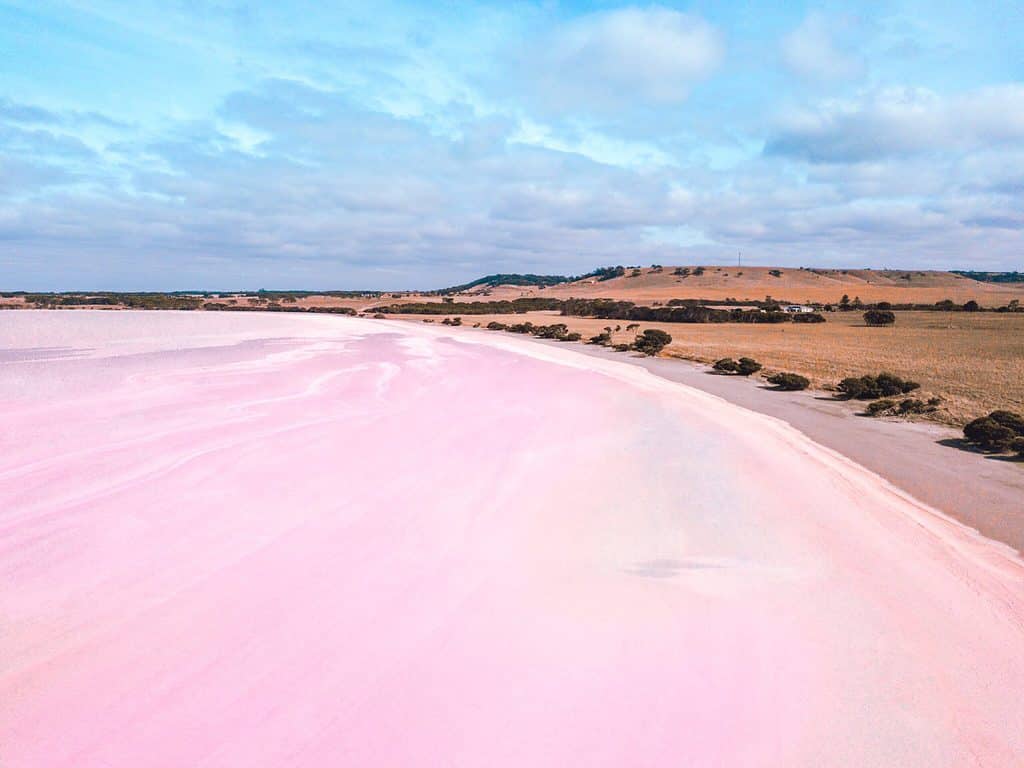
[255, 540]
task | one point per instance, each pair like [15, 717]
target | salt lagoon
[266, 539]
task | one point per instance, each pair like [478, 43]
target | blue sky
[216, 144]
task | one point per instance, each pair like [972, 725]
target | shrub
[902, 408]
[789, 382]
[494, 325]
[652, 341]
[913, 405]
[378, 316]
[808, 317]
[744, 367]
[748, 366]
[571, 337]
[555, 331]
[621, 347]
[878, 317]
[971, 306]
[879, 407]
[601, 338]
[988, 434]
[1017, 446]
[1009, 420]
[872, 387]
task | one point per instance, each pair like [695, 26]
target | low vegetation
[874, 387]
[906, 407]
[999, 432]
[879, 317]
[513, 307]
[652, 341]
[788, 382]
[745, 366]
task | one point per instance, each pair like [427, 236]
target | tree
[879, 317]
[652, 341]
[971, 306]
[789, 382]
[844, 303]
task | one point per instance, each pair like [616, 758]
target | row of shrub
[513, 307]
[678, 311]
[556, 331]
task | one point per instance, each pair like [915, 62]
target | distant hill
[792, 284]
[490, 281]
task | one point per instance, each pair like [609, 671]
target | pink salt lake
[271, 540]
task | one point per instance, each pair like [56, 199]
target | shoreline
[982, 492]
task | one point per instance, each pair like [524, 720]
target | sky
[183, 144]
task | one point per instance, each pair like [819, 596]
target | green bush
[601, 339]
[494, 325]
[1009, 420]
[808, 317]
[748, 366]
[789, 382]
[621, 347]
[878, 317]
[873, 387]
[652, 341]
[879, 407]
[744, 367]
[555, 331]
[989, 434]
[571, 337]
[904, 407]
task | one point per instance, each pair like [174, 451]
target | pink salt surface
[269, 540]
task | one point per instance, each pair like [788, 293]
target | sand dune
[277, 540]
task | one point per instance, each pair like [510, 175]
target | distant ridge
[991, 277]
[510, 279]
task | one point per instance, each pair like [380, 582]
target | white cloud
[902, 121]
[607, 59]
[824, 48]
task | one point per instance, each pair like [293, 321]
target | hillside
[797, 285]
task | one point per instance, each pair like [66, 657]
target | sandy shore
[284, 540]
[983, 492]
[925, 460]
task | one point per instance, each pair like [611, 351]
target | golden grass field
[796, 285]
[974, 361]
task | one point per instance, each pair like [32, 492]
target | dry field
[974, 361]
[798, 285]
